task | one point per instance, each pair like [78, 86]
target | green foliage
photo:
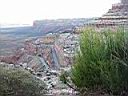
[18, 82]
[102, 62]
[63, 77]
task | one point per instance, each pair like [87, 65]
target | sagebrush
[19, 82]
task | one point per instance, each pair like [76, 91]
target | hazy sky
[25, 11]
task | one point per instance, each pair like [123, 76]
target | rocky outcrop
[115, 17]
[12, 59]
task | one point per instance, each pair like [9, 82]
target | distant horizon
[44, 19]
[27, 11]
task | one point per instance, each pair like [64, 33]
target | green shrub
[63, 77]
[19, 82]
[102, 62]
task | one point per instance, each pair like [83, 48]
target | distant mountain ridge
[59, 25]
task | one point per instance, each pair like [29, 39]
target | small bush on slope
[102, 62]
[18, 82]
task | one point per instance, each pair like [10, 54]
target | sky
[26, 11]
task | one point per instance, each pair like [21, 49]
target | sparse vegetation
[18, 82]
[101, 65]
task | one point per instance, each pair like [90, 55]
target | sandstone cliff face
[115, 17]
